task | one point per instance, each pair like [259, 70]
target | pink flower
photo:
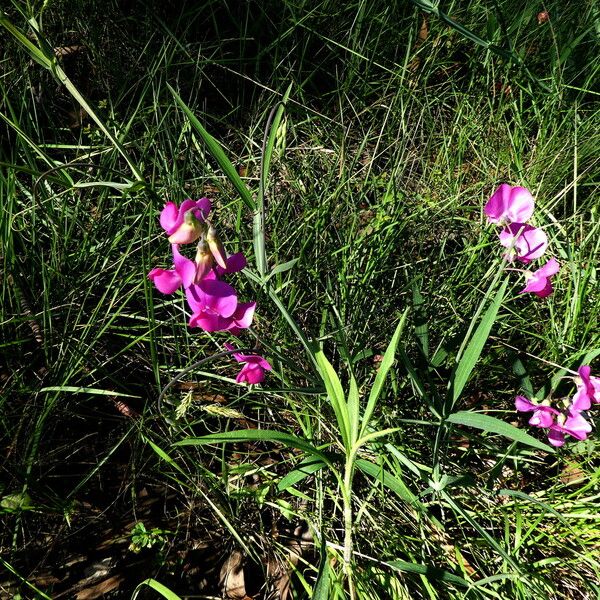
[573, 424]
[524, 242]
[539, 282]
[185, 224]
[213, 304]
[543, 415]
[509, 204]
[254, 369]
[168, 281]
[588, 389]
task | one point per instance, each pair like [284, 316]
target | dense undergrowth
[399, 125]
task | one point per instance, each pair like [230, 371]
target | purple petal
[219, 296]
[556, 437]
[527, 242]
[168, 216]
[522, 404]
[509, 205]
[185, 267]
[251, 374]
[236, 262]
[208, 321]
[166, 281]
[204, 206]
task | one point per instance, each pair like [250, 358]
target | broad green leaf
[267, 152]
[215, 149]
[353, 409]
[163, 590]
[389, 481]
[256, 435]
[335, 393]
[428, 571]
[493, 425]
[384, 367]
[305, 469]
[475, 346]
[321, 589]
[283, 267]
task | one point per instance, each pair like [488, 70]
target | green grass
[398, 127]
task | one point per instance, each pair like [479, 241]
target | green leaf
[475, 346]
[305, 469]
[217, 152]
[85, 390]
[384, 367]
[321, 589]
[335, 392]
[265, 163]
[493, 425]
[427, 571]
[256, 435]
[164, 591]
[283, 267]
[389, 481]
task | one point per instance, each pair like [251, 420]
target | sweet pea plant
[511, 208]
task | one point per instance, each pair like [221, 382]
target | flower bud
[216, 247]
[189, 231]
[204, 261]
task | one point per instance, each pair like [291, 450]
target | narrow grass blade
[36, 53]
[335, 392]
[386, 365]
[217, 152]
[493, 425]
[475, 346]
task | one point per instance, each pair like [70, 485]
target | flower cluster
[511, 208]
[571, 419]
[213, 302]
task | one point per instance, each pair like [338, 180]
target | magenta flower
[524, 242]
[185, 224]
[509, 204]
[168, 281]
[213, 304]
[573, 424]
[539, 282]
[588, 389]
[543, 415]
[254, 369]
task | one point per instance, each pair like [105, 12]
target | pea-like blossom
[213, 303]
[543, 414]
[588, 389]
[524, 242]
[168, 281]
[254, 368]
[185, 224]
[509, 204]
[539, 282]
[573, 424]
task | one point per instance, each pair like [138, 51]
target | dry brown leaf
[231, 578]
